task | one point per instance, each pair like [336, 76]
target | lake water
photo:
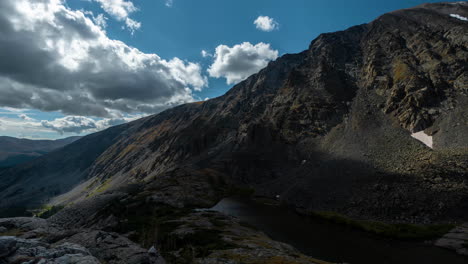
[332, 242]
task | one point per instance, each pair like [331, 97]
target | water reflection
[332, 242]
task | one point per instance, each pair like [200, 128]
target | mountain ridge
[14, 151]
[327, 129]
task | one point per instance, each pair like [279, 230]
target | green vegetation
[48, 211]
[102, 188]
[400, 231]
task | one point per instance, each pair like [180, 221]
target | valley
[326, 135]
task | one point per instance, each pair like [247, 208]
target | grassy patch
[400, 231]
[102, 188]
[49, 211]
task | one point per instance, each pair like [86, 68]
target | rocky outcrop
[456, 239]
[35, 240]
[210, 237]
[120, 230]
[17, 250]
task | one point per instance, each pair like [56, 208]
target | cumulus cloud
[121, 10]
[25, 117]
[206, 54]
[65, 125]
[240, 61]
[74, 124]
[100, 20]
[265, 23]
[58, 59]
[81, 124]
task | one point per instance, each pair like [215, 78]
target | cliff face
[326, 129]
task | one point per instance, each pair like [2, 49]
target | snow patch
[423, 137]
[459, 17]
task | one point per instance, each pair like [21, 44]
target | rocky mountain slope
[328, 129]
[30, 185]
[14, 151]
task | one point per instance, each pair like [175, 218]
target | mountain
[14, 151]
[329, 129]
[29, 185]
[370, 123]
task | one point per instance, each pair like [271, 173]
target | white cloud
[58, 59]
[240, 61]
[265, 23]
[459, 17]
[206, 54]
[169, 3]
[121, 10]
[24, 125]
[25, 117]
[18, 127]
[81, 124]
[100, 20]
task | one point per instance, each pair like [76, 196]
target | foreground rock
[36, 239]
[456, 239]
[209, 237]
[130, 227]
[18, 250]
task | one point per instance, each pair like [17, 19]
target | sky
[74, 67]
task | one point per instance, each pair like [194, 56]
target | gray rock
[7, 246]
[456, 239]
[14, 249]
[76, 259]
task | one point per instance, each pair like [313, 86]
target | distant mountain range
[14, 151]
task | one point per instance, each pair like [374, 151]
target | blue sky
[180, 29]
[190, 26]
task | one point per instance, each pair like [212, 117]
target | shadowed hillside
[328, 129]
